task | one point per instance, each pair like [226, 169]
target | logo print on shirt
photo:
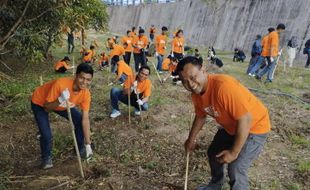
[210, 111]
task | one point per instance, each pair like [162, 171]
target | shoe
[115, 113]
[160, 72]
[268, 81]
[210, 186]
[137, 113]
[258, 77]
[47, 163]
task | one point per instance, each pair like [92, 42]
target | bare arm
[50, 106]
[196, 127]
[242, 133]
[86, 126]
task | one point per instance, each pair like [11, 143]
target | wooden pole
[41, 80]
[74, 139]
[129, 120]
[73, 64]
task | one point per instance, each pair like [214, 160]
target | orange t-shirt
[140, 42]
[117, 50]
[160, 44]
[178, 45]
[60, 64]
[227, 101]
[128, 40]
[152, 30]
[172, 67]
[51, 90]
[89, 56]
[103, 59]
[274, 43]
[144, 87]
[166, 64]
[266, 47]
[132, 34]
[123, 68]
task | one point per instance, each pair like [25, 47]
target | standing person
[177, 47]
[243, 118]
[133, 32]
[52, 96]
[141, 86]
[127, 44]
[140, 42]
[256, 59]
[273, 47]
[291, 50]
[63, 65]
[161, 46]
[117, 50]
[152, 32]
[70, 41]
[307, 51]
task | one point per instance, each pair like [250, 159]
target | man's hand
[64, 104]
[226, 157]
[89, 152]
[140, 102]
[189, 145]
[271, 59]
[64, 96]
[172, 55]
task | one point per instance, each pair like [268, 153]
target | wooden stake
[156, 72]
[41, 80]
[74, 139]
[186, 172]
[129, 120]
[73, 64]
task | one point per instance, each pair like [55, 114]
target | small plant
[299, 140]
[60, 142]
[303, 166]
[151, 165]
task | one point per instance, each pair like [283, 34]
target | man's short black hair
[281, 26]
[128, 31]
[145, 67]
[178, 32]
[258, 36]
[271, 29]
[141, 31]
[92, 47]
[115, 58]
[85, 68]
[189, 59]
[164, 28]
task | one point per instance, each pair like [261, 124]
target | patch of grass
[60, 143]
[299, 140]
[293, 186]
[150, 165]
[303, 166]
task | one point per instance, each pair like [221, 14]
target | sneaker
[210, 186]
[268, 81]
[137, 113]
[115, 113]
[160, 72]
[258, 77]
[46, 164]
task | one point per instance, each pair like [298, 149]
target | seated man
[89, 55]
[170, 64]
[123, 71]
[62, 65]
[239, 55]
[139, 97]
[104, 61]
[52, 96]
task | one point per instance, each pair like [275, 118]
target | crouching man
[52, 96]
[139, 89]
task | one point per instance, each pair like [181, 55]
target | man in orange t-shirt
[53, 96]
[152, 32]
[62, 65]
[124, 71]
[116, 50]
[243, 118]
[103, 61]
[170, 65]
[140, 42]
[161, 46]
[127, 44]
[140, 89]
[177, 46]
[272, 55]
[89, 55]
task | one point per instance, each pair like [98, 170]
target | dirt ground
[149, 154]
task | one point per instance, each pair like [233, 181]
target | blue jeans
[268, 69]
[160, 59]
[113, 66]
[257, 64]
[41, 117]
[123, 78]
[140, 60]
[238, 169]
[117, 94]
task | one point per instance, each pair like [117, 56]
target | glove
[140, 102]
[89, 152]
[156, 54]
[135, 83]
[271, 59]
[64, 96]
[64, 104]
[172, 55]
[279, 53]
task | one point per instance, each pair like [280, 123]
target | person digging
[52, 97]
[243, 118]
[141, 86]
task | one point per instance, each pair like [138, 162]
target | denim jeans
[159, 62]
[140, 60]
[117, 94]
[269, 69]
[123, 78]
[238, 169]
[257, 64]
[127, 57]
[41, 117]
[113, 66]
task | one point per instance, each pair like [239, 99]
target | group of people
[243, 118]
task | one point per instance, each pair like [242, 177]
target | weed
[151, 165]
[299, 140]
[303, 166]
[60, 142]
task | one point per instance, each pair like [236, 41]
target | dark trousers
[238, 169]
[41, 117]
[61, 70]
[70, 46]
[140, 60]
[178, 56]
[308, 60]
[127, 57]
